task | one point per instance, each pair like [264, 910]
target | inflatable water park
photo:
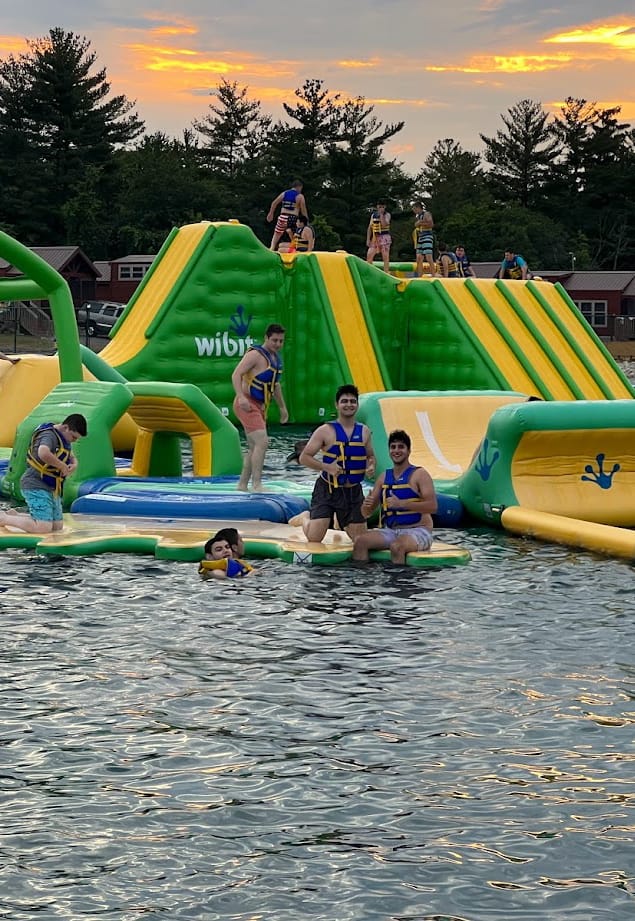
[514, 405]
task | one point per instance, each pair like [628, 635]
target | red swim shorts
[253, 419]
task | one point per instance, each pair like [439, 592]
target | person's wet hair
[401, 436]
[228, 534]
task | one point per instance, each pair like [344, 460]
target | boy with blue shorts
[49, 460]
[407, 501]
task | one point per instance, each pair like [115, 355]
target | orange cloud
[189, 62]
[354, 65]
[627, 109]
[159, 50]
[175, 30]
[11, 44]
[619, 35]
[507, 64]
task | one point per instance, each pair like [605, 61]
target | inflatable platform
[184, 539]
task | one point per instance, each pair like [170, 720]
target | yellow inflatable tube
[588, 535]
[24, 385]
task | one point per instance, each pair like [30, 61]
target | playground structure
[510, 397]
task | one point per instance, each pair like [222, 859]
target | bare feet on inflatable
[242, 487]
[8, 519]
[298, 521]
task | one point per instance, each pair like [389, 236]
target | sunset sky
[447, 70]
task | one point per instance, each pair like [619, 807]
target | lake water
[380, 744]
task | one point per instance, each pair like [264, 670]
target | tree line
[78, 167]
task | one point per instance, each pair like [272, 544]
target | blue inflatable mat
[167, 497]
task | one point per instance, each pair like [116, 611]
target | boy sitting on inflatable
[221, 556]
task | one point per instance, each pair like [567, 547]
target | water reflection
[351, 744]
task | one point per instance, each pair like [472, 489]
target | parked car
[99, 317]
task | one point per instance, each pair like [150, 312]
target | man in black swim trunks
[347, 457]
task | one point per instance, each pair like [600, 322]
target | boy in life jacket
[448, 262]
[378, 238]
[464, 261]
[50, 461]
[513, 267]
[256, 381]
[407, 501]
[303, 237]
[423, 239]
[292, 203]
[347, 456]
[221, 559]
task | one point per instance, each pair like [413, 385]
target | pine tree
[521, 156]
[235, 130]
[69, 118]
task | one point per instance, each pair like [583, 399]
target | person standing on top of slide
[378, 238]
[256, 380]
[292, 204]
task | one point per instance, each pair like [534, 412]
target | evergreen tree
[162, 186]
[358, 173]
[318, 115]
[235, 130]
[486, 232]
[72, 121]
[23, 208]
[609, 175]
[451, 178]
[522, 155]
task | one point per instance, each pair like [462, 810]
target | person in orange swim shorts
[256, 381]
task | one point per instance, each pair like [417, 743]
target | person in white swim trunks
[407, 501]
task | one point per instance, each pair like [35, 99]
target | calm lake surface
[338, 744]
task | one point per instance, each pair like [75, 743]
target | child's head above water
[218, 549]
[233, 538]
[229, 536]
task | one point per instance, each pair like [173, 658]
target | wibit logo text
[222, 345]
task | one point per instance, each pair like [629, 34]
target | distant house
[602, 297]
[114, 280]
[121, 282]
[72, 264]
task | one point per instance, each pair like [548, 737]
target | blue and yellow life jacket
[455, 270]
[423, 235]
[299, 244]
[376, 225]
[262, 385]
[235, 569]
[50, 476]
[349, 453]
[399, 488]
[512, 268]
[288, 205]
